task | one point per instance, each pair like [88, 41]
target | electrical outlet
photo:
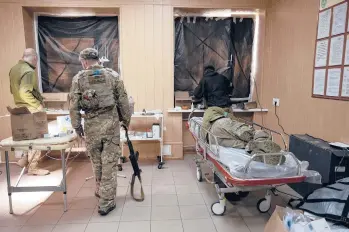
[276, 102]
[167, 150]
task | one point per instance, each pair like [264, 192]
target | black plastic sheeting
[61, 40]
[225, 44]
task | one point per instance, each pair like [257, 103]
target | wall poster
[331, 58]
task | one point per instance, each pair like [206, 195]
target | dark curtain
[225, 44]
[62, 39]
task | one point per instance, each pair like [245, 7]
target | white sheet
[236, 159]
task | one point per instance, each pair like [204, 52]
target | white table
[42, 144]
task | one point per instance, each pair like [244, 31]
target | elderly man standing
[100, 93]
[25, 91]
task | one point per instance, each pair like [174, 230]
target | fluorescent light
[217, 13]
[227, 13]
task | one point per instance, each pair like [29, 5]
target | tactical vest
[97, 90]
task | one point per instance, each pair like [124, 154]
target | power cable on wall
[277, 116]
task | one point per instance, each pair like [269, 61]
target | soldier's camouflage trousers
[104, 151]
[102, 143]
[231, 133]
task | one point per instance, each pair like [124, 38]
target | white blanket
[236, 159]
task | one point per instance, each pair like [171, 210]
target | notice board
[331, 62]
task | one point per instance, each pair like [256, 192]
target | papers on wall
[328, 3]
[321, 53]
[333, 82]
[336, 50]
[346, 61]
[339, 18]
[331, 61]
[345, 83]
[319, 81]
[324, 24]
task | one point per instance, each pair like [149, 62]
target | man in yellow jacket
[24, 88]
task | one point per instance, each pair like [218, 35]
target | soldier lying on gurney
[231, 132]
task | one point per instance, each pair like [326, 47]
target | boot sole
[104, 213]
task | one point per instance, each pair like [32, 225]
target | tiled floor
[175, 202]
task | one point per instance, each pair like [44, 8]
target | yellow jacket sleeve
[74, 103]
[26, 90]
[122, 102]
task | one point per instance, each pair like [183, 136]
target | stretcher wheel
[160, 165]
[218, 209]
[120, 167]
[199, 174]
[123, 159]
[263, 205]
[244, 194]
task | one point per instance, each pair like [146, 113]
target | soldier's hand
[123, 125]
[80, 131]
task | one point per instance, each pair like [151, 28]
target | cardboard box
[250, 105]
[275, 223]
[26, 125]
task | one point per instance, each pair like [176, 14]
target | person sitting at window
[214, 88]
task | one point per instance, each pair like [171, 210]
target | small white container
[156, 131]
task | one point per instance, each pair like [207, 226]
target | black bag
[330, 202]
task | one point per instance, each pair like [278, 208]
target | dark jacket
[215, 88]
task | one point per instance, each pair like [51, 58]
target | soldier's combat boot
[23, 162]
[38, 172]
[104, 212]
[33, 166]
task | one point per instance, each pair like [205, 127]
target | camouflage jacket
[97, 90]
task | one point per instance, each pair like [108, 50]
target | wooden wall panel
[158, 57]
[149, 69]
[288, 67]
[28, 20]
[109, 3]
[13, 44]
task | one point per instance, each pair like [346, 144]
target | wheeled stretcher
[237, 172]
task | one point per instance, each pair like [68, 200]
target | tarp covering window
[61, 40]
[225, 44]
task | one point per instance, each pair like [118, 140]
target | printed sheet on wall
[60, 41]
[331, 62]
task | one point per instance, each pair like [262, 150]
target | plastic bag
[295, 221]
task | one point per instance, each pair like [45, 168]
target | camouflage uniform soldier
[101, 94]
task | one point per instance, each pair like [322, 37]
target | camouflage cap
[89, 53]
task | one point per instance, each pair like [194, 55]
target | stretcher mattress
[235, 160]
